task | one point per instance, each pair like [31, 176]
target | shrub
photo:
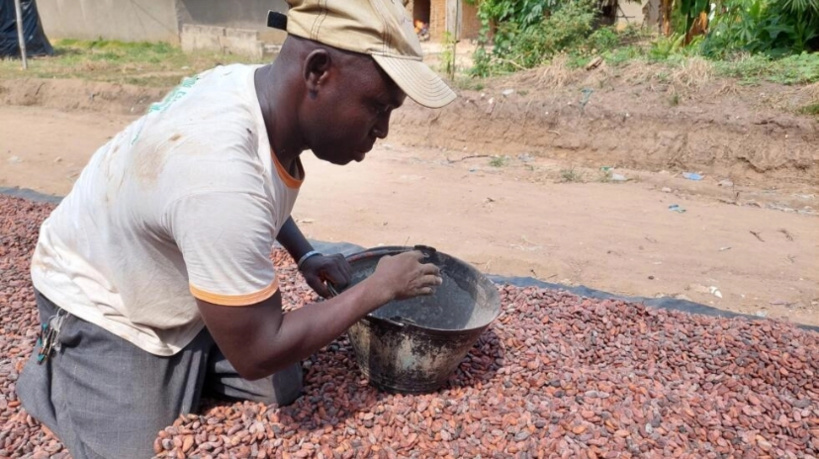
[773, 27]
[530, 32]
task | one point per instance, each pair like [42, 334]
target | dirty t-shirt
[184, 203]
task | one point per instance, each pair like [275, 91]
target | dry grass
[693, 73]
[812, 90]
[640, 72]
[728, 88]
[558, 74]
[806, 100]
[681, 79]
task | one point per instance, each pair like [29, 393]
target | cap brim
[417, 80]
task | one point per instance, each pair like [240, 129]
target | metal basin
[415, 345]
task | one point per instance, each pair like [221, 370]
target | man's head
[378, 28]
[358, 60]
[346, 102]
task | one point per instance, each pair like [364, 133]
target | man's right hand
[404, 276]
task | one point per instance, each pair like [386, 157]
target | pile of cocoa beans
[555, 375]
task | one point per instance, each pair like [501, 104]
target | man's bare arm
[292, 239]
[259, 340]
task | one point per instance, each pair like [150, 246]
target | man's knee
[287, 385]
[282, 388]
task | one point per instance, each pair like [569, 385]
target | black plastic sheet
[346, 248]
[675, 304]
[36, 42]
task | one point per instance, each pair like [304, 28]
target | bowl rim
[382, 251]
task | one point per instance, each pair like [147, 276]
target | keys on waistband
[49, 331]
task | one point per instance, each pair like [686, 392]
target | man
[153, 277]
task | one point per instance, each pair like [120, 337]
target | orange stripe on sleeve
[236, 300]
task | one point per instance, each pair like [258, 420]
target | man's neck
[274, 100]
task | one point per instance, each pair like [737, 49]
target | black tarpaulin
[36, 42]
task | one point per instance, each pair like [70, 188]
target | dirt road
[513, 219]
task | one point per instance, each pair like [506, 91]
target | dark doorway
[420, 18]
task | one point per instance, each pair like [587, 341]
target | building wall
[238, 14]
[161, 20]
[437, 20]
[153, 20]
[470, 25]
[634, 13]
[132, 20]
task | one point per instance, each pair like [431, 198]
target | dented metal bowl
[415, 345]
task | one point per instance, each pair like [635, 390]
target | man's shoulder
[231, 76]
[217, 91]
[207, 111]
[207, 137]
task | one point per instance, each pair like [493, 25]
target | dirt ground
[512, 183]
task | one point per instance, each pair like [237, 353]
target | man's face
[348, 112]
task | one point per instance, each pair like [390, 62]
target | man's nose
[382, 127]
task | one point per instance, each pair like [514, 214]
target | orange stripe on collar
[288, 179]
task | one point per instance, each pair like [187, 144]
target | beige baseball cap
[380, 28]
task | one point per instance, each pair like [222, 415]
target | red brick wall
[437, 20]
[470, 24]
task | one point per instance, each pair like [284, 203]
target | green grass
[811, 109]
[791, 70]
[469, 83]
[163, 65]
[571, 175]
[140, 63]
[498, 161]
[576, 61]
[619, 56]
[675, 99]
[616, 48]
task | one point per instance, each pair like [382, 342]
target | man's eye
[380, 109]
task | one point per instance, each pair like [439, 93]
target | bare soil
[748, 240]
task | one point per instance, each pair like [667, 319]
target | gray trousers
[106, 398]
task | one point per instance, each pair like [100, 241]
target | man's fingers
[318, 286]
[417, 254]
[429, 268]
[335, 273]
[345, 266]
[430, 280]
[425, 291]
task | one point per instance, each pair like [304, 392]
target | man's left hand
[319, 269]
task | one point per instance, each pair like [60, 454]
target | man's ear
[316, 70]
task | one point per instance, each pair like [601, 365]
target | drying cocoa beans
[555, 376]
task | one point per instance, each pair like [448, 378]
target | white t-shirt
[185, 202]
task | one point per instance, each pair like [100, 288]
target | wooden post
[20, 35]
[455, 37]
[667, 8]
